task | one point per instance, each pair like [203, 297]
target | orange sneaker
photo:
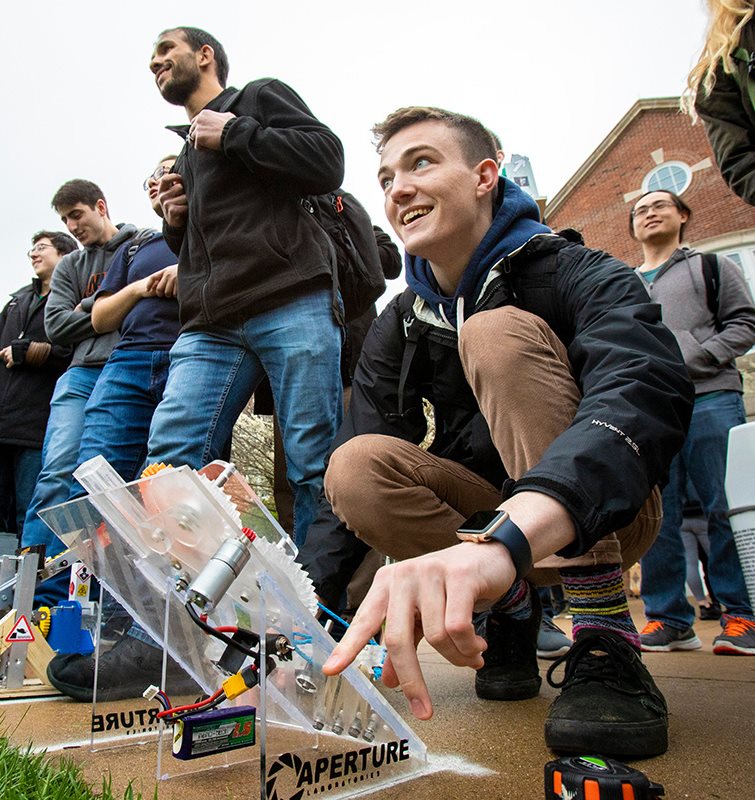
[737, 637]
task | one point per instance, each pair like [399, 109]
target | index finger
[368, 619]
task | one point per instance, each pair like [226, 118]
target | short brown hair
[62, 242]
[77, 191]
[474, 138]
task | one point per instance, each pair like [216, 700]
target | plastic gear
[221, 498]
[284, 568]
[153, 469]
[282, 565]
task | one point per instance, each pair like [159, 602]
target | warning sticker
[20, 632]
[83, 573]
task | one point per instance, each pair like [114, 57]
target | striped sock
[517, 602]
[598, 601]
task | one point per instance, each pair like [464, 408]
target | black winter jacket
[26, 388]
[729, 118]
[249, 245]
[636, 406]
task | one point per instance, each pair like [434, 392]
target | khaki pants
[405, 502]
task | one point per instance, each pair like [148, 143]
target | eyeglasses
[156, 175]
[643, 211]
[38, 248]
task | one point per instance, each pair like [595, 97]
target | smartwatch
[497, 526]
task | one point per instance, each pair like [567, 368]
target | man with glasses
[29, 366]
[83, 209]
[707, 305]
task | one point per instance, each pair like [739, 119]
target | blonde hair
[727, 19]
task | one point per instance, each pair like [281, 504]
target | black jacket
[729, 118]
[249, 245]
[636, 406]
[27, 387]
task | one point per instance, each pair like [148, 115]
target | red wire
[227, 629]
[201, 704]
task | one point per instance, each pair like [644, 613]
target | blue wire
[338, 619]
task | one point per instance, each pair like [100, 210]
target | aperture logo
[329, 773]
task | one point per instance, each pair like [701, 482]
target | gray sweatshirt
[77, 277]
[679, 287]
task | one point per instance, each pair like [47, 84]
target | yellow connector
[234, 686]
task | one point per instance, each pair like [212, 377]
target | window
[674, 176]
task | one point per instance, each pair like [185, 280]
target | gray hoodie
[679, 287]
[74, 282]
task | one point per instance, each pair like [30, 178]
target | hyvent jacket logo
[621, 433]
[329, 773]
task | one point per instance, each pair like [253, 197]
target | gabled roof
[648, 104]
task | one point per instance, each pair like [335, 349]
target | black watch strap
[512, 538]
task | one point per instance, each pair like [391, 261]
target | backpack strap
[142, 237]
[228, 102]
[712, 280]
[411, 332]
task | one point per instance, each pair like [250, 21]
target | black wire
[218, 635]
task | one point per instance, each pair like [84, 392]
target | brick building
[655, 146]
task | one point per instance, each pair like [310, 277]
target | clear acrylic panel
[171, 545]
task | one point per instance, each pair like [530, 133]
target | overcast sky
[552, 77]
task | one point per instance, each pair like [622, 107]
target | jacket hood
[125, 232]
[679, 255]
[516, 219]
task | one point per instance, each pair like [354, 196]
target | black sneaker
[125, 670]
[609, 703]
[510, 671]
[713, 611]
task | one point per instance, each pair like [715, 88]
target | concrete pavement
[495, 750]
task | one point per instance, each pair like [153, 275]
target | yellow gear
[43, 620]
[153, 469]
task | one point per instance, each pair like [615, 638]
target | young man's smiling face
[44, 258]
[439, 205]
[174, 65]
[90, 225]
[655, 218]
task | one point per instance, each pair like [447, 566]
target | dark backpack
[358, 275]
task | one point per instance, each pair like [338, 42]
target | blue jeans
[19, 470]
[703, 459]
[118, 415]
[60, 452]
[213, 375]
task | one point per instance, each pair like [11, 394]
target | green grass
[25, 775]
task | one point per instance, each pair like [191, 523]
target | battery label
[214, 731]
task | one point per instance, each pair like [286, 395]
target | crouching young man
[559, 401]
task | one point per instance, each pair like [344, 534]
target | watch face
[479, 522]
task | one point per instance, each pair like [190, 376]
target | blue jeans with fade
[214, 373]
[60, 452]
[703, 459]
[117, 417]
